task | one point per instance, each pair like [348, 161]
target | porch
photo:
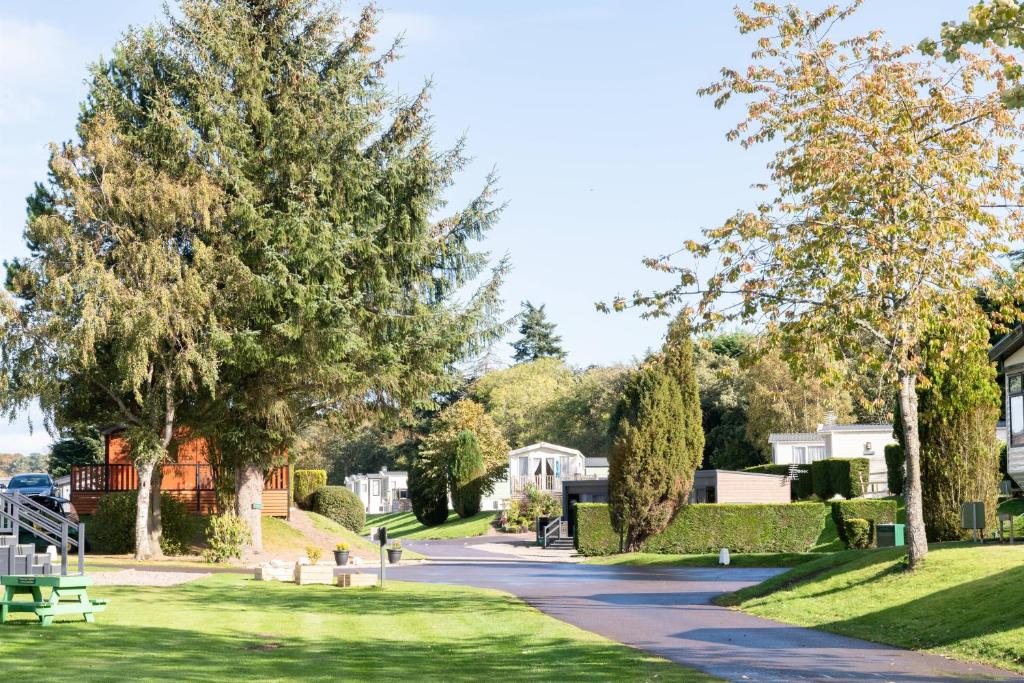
[191, 483]
[546, 483]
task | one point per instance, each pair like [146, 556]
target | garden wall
[789, 527]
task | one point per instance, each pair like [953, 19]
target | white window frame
[375, 487]
[800, 455]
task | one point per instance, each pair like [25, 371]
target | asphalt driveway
[667, 611]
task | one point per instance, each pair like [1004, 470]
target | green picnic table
[68, 595]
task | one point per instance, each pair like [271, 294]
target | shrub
[305, 483]
[846, 476]
[226, 536]
[874, 511]
[895, 465]
[784, 527]
[112, 528]
[859, 532]
[522, 514]
[341, 505]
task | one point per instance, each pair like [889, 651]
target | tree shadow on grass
[118, 653]
[981, 609]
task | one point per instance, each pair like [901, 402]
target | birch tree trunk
[917, 541]
[249, 491]
[155, 526]
[143, 549]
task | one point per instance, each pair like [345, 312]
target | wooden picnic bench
[68, 595]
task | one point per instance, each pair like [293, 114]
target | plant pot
[394, 556]
[341, 557]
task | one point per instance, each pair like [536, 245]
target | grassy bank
[963, 603]
[226, 627]
[405, 525]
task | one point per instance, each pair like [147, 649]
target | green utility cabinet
[890, 535]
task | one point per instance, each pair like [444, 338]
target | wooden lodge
[189, 479]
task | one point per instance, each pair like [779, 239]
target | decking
[191, 483]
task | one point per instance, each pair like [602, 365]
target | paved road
[667, 611]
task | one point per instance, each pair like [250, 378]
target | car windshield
[24, 481]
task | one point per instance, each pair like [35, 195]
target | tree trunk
[249, 492]
[143, 549]
[155, 524]
[917, 540]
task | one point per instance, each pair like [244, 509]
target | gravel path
[135, 577]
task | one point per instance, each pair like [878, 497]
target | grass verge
[962, 603]
[226, 627]
[405, 525]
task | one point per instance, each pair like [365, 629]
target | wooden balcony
[191, 483]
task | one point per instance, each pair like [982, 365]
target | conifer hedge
[846, 476]
[755, 528]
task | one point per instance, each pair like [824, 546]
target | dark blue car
[31, 485]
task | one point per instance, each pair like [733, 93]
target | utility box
[972, 516]
[890, 535]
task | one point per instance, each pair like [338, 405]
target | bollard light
[723, 556]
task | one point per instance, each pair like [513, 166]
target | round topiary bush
[341, 505]
[858, 532]
[112, 528]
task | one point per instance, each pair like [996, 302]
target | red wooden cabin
[190, 479]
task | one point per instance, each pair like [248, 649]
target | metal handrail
[553, 528]
[29, 515]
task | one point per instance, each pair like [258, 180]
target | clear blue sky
[587, 110]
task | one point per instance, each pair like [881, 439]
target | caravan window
[375, 487]
[1015, 391]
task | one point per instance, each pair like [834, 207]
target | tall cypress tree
[537, 336]
[466, 475]
[658, 443]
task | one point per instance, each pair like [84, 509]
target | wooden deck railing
[176, 477]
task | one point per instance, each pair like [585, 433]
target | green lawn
[707, 560]
[964, 602]
[405, 525]
[228, 627]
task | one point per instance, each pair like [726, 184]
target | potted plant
[341, 554]
[395, 552]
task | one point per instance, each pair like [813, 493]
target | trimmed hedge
[800, 488]
[846, 476]
[859, 532]
[895, 464]
[305, 483]
[341, 505]
[875, 511]
[112, 528]
[705, 528]
[770, 468]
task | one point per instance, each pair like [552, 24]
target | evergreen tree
[428, 491]
[466, 475]
[958, 405]
[658, 444]
[538, 338]
[84, 447]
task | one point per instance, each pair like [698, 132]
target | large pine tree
[302, 203]
[658, 444]
[537, 336]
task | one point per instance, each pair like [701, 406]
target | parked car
[31, 484]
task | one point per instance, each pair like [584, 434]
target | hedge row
[756, 528]
[875, 511]
[846, 476]
[304, 483]
[800, 488]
